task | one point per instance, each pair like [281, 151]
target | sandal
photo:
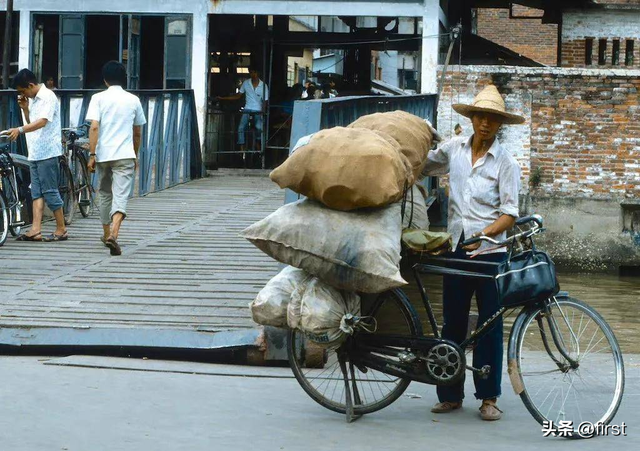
[54, 237]
[489, 411]
[25, 237]
[113, 246]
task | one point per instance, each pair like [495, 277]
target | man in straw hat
[484, 182]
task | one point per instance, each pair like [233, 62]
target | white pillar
[200, 68]
[24, 38]
[430, 47]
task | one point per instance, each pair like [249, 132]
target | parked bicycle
[77, 161]
[563, 358]
[10, 203]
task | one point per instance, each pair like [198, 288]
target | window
[628, 60]
[408, 79]
[615, 56]
[588, 52]
[602, 52]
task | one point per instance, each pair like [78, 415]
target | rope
[382, 41]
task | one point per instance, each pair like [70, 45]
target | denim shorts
[45, 181]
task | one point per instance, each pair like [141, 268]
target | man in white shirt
[484, 181]
[114, 139]
[256, 95]
[43, 134]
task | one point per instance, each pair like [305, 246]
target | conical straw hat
[488, 100]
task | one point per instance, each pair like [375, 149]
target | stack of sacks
[410, 132]
[345, 237]
[347, 169]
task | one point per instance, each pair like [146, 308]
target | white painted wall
[601, 24]
[430, 47]
[389, 66]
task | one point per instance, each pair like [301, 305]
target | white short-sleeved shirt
[478, 194]
[117, 111]
[45, 142]
[254, 98]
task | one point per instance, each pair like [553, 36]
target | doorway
[103, 45]
[152, 52]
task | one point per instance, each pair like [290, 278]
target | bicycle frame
[384, 344]
[13, 186]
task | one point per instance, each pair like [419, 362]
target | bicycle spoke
[590, 392]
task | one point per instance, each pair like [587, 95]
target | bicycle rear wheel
[67, 192]
[82, 184]
[318, 371]
[12, 204]
[4, 219]
[552, 390]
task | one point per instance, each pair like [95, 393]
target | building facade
[167, 43]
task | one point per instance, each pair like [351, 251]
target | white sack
[323, 310]
[355, 251]
[270, 306]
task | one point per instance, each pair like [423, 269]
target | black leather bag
[526, 277]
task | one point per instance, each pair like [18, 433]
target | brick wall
[596, 24]
[529, 37]
[582, 135]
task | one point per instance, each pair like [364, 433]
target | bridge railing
[170, 151]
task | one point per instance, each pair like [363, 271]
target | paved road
[184, 268]
[151, 405]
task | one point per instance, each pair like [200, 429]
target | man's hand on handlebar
[473, 244]
[13, 134]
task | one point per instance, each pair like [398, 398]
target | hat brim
[468, 110]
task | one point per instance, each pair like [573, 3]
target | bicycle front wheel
[67, 192]
[553, 390]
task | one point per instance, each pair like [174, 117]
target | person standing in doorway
[256, 96]
[116, 118]
[43, 134]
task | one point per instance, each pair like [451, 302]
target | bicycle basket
[526, 277]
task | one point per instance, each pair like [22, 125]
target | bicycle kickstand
[350, 416]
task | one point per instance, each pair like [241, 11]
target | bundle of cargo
[412, 134]
[345, 236]
[347, 169]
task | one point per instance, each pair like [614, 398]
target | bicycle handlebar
[536, 219]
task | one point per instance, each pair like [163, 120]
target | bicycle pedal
[18, 224]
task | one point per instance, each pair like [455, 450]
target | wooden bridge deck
[184, 275]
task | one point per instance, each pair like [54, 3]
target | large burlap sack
[411, 132]
[270, 306]
[324, 312]
[415, 212]
[355, 251]
[346, 169]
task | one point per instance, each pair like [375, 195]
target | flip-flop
[104, 241]
[54, 237]
[25, 237]
[113, 246]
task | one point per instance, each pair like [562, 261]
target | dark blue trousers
[456, 297]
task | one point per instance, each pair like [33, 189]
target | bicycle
[10, 203]
[550, 367]
[83, 190]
